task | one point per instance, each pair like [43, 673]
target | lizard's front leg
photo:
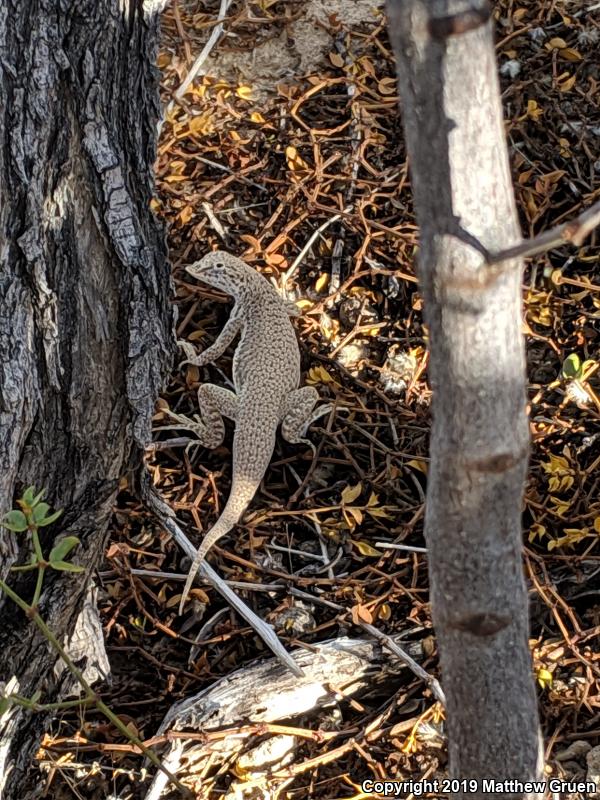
[224, 339]
[300, 413]
[214, 402]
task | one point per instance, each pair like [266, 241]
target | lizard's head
[222, 271]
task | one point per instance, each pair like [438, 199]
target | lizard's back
[267, 358]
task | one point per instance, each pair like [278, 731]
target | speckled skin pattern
[266, 376]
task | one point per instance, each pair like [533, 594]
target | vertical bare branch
[480, 440]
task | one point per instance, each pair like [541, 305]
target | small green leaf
[28, 495]
[37, 498]
[15, 521]
[544, 678]
[65, 566]
[63, 548]
[39, 511]
[41, 523]
[5, 704]
[571, 368]
[588, 366]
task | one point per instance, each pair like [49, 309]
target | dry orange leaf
[524, 176]
[387, 86]
[185, 215]
[566, 82]
[367, 65]
[351, 493]
[365, 549]
[175, 178]
[245, 92]
[200, 124]
[361, 614]
[322, 282]
[294, 160]
[318, 375]
[565, 147]
[355, 513]
[252, 241]
[275, 259]
[531, 206]
[381, 512]
[570, 54]
[533, 110]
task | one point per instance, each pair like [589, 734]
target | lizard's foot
[193, 358]
[224, 339]
[215, 402]
[188, 350]
[300, 414]
[195, 424]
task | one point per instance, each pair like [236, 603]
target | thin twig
[197, 65]
[33, 614]
[207, 208]
[385, 640]
[167, 518]
[300, 257]
[407, 547]
[229, 171]
[573, 232]
[182, 576]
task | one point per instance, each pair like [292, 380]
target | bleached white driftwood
[268, 693]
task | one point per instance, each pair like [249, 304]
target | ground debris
[302, 172]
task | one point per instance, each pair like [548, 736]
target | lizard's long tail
[242, 492]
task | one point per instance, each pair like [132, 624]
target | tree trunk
[85, 322]
[480, 440]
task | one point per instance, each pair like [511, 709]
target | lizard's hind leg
[214, 402]
[300, 413]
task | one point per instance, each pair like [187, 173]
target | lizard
[266, 381]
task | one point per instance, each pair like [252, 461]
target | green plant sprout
[31, 515]
[573, 369]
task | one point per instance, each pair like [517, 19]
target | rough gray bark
[85, 323]
[480, 440]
